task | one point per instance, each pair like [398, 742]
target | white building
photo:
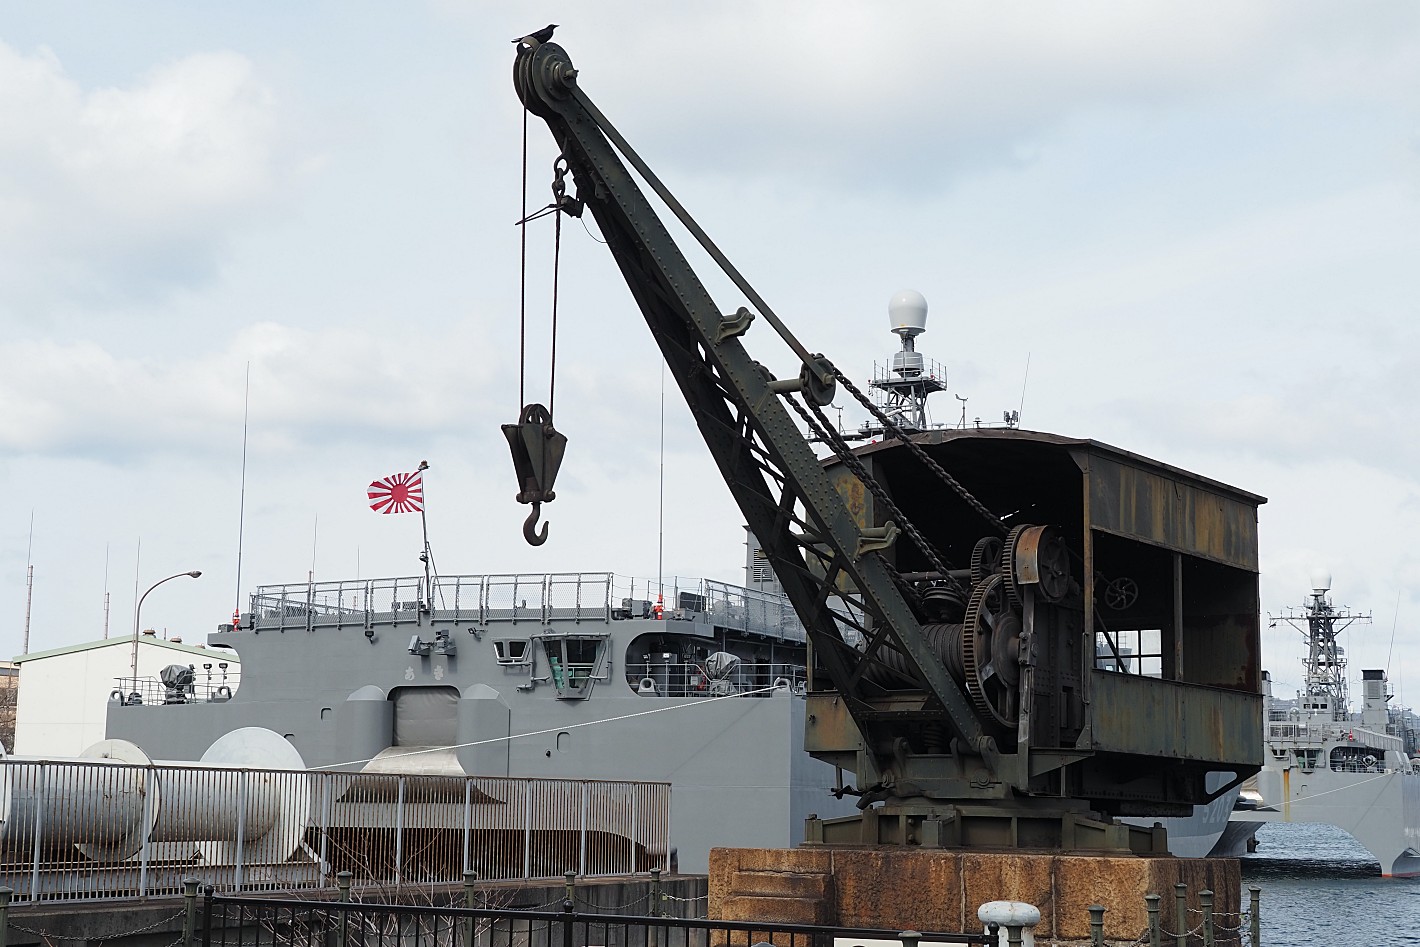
[64, 693]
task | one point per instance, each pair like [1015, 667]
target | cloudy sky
[1197, 223]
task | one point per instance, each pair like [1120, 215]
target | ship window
[574, 662]
[513, 651]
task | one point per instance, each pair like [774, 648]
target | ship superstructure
[1328, 764]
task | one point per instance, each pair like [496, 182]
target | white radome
[1321, 581]
[907, 313]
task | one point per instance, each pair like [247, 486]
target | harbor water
[1320, 887]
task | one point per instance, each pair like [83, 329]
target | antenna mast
[29, 580]
[906, 382]
[1320, 622]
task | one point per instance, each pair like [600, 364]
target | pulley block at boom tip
[537, 449]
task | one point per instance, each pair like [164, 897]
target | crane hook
[530, 532]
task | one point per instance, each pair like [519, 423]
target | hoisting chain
[919, 453]
[821, 428]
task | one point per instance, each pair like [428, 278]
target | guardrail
[90, 830]
[538, 598]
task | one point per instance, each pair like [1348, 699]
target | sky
[1190, 230]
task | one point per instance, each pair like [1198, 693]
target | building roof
[226, 654]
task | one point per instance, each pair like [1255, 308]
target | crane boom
[781, 488]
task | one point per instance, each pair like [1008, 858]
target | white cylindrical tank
[907, 313]
[250, 786]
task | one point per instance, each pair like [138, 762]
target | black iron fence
[228, 921]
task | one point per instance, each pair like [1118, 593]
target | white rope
[697, 702]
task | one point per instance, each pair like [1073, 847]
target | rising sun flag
[397, 493]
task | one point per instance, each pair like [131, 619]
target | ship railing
[693, 680]
[151, 690]
[86, 830]
[537, 598]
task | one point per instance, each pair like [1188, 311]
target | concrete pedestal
[940, 890]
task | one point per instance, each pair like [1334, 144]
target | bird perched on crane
[534, 40]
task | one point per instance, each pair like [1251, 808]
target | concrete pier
[940, 890]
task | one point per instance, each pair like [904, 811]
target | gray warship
[1328, 764]
[580, 675]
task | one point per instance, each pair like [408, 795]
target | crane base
[985, 827]
[939, 890]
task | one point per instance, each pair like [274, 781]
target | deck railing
[538, 598]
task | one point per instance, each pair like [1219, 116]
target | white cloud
[124, 190]
[306, 387]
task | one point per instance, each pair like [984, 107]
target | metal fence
[86, 830]
[260, 922]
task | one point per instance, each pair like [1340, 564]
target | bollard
[1256, 916]
[1097, 925]
[567, 915]
[469, 879]
[189, 919]
[571, 879]
[342, 881]
[1018, 918]
[1205, 901]
[1151, 902]
[1180, 896]
[909, 938]
[5, 895]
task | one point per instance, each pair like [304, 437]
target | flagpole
[428, 556]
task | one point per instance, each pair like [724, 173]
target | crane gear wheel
[1121, 593]
[986, 558]
[990, 652]
[1008, 567]
[1043, 560]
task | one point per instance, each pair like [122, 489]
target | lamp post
[138, 610]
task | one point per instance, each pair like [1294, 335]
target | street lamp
[137, 611]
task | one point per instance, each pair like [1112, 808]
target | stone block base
[940, 890]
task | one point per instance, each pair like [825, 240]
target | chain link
[824, 430]
[919, 453]
[48, 935]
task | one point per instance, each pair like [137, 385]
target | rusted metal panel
[1163, 718]
[1129, 500]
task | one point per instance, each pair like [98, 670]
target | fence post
[1151, 902]
[469, 877]
[342, 882]
[189, 921]
[5, 895]
[207, 916]
[1180, 897]
[568, 909]
[909, 938]
[570, 878]
[1205, 901]
[1256, 915]
[1097, 925]
[655, 894]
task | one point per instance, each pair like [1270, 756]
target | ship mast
[1321, 623]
